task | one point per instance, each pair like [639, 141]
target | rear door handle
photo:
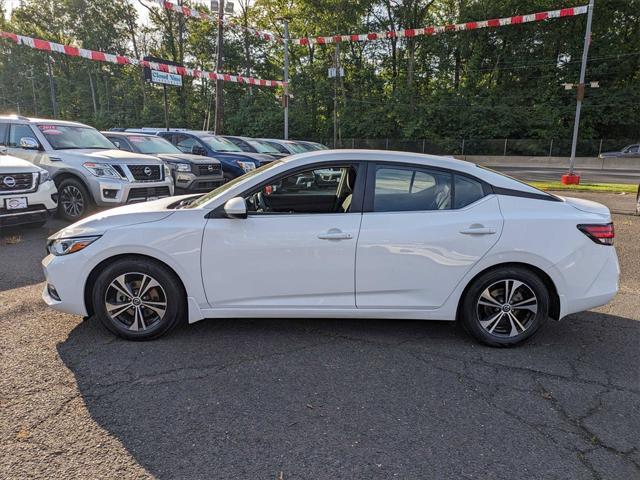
[478, 231]
[335, 234]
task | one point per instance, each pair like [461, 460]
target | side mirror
[116, 143]
[236, 208]
[198, 150]
[29, 143]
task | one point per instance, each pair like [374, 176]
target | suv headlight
[44, 177]
[65, 246]
[101, 169]
[246, 166]
[182, 167]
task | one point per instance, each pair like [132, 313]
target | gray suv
[86, 167]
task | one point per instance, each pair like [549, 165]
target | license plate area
[16, 203]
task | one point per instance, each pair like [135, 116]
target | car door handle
[478, 231]
[335, 234]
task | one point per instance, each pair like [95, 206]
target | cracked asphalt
[315, 399]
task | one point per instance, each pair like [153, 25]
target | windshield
[220, 144]
[295, 148]
[262, 147]
[152, 145]
[226, 186]
[63, 137]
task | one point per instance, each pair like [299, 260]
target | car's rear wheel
[138, 299]
[74, 201]
[505, 306]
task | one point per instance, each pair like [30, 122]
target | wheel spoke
[120, 284]
[508, 294]
[158, 307]
[116, 309]
[147, 284]
[496, 318]
[517, 322]
[530, 304]
[486, 295]
[135, 325]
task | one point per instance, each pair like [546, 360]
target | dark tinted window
[3, 133]
[467, 191]
[400, 189]
[185, 143]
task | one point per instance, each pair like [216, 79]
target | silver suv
[85, 166]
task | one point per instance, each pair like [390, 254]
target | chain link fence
[493, 146]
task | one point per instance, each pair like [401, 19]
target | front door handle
[335, 234]
[473, 230]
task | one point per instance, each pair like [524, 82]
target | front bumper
[41, 204]
[109, 192]
[197, 183]
[67, 279]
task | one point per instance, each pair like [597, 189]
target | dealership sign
[166, 78]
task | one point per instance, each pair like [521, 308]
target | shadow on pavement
[366, 399]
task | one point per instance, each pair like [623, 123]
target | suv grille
[145, 173]
[207, 169]
[16, 182]
[141, 194]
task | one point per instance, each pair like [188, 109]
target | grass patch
[587, 187]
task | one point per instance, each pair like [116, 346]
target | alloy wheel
[72, 201]
[136, 301]
[507, 308]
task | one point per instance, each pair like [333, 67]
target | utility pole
[52, 86]
[571, 178]
[335, 97]
[286, 79]
[217, 129]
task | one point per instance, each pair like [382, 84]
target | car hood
[177, 157]
[114, 156]
[587, 206]
[124, 216]
[10, 164]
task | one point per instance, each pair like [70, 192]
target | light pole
[571, 178]
[286, 79]
[217, 128]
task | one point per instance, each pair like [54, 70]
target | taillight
[601, 234]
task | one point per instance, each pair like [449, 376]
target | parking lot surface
[315, 399]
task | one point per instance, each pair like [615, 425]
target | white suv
[85, 166]
[27, 193]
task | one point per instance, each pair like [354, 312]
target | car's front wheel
[74, 201]
[138, 299]
[505, 306]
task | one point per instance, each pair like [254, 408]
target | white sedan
[397, 236]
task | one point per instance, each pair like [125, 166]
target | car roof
[49, 121]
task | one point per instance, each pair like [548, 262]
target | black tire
[171, 292]
[477, 309]
[74, 200]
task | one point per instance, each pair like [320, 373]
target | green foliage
[491, 83]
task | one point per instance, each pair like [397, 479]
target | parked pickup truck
[27, 194]
[191, 173]
[85, 166]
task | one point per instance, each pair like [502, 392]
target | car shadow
[301, 398]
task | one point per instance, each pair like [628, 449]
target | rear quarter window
[466, 191]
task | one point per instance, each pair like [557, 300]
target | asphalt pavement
[315, 399]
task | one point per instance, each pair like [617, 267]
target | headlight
[246, 166]
[44, 176]
[65, 246]
[101, 169]
[167, 171]
[183, 167]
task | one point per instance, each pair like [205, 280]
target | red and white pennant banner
[48, 46]
[192, 12]
[458, 27]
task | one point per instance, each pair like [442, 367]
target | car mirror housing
[236, 208]
[198, 150]
[29, 143]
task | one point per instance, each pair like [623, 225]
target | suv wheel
[74, 201]
[505, 306]
[138, 299]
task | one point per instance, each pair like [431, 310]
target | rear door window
[400, 189]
